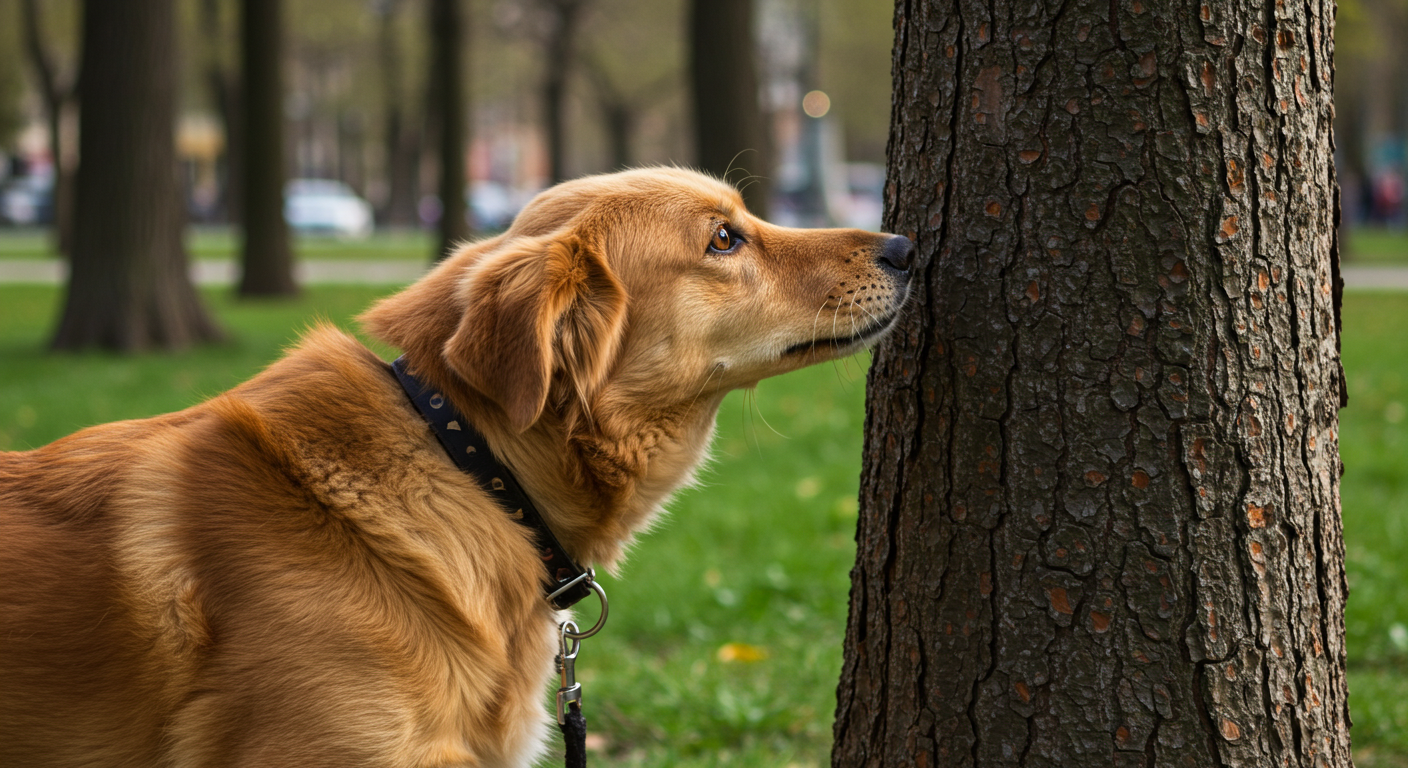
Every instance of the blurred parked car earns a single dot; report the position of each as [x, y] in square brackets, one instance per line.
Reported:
[493, 206]
[325, 206]
[27, 200]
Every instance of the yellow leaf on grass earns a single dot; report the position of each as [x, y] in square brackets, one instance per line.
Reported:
[741, 652]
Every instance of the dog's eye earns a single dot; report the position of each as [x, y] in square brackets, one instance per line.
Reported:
[724, 240]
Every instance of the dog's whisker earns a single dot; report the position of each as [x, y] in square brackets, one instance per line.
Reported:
[749, 429]
[707, 379]
[758, 410]
[815, 319]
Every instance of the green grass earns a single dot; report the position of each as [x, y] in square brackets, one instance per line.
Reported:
[223, 243]
[1364, 246]
[44, 396]
[1376, 246]
[759, 554]
[1374, 495]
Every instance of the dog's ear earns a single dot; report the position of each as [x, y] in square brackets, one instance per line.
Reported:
[538, 306]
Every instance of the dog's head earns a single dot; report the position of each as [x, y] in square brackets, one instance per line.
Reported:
[654, 287]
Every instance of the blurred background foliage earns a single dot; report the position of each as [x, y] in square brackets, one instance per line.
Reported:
[1371, 112]
[349, 62]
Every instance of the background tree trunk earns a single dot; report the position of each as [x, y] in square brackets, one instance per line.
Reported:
[560, 54]
[57, 93]
[225, 94]
[1100, 505]
[448, 110]
[617, 112]
[730, 136]
[401, 137]
[267, 261]
[129, 288]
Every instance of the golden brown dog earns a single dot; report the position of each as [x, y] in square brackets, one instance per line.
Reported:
[295, 574]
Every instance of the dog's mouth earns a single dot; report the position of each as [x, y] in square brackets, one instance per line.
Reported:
[861, 338]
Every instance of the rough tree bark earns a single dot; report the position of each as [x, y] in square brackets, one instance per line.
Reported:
[1100, 504]
[129, 288]
[57, 93]
[730, 135]
[267, 262]
[447, 99]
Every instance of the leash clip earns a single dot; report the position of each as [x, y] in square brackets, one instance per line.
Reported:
[589, 576]
[569, 643]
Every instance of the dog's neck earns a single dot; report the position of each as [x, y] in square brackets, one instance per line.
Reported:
[598, 477]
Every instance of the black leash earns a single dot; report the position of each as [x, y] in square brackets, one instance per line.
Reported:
[567, 583]
[570, 719]
[574, 735]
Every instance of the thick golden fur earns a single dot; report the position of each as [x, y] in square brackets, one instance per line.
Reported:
[295, 574]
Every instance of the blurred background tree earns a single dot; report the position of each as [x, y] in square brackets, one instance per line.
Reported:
[214, 51]
[730, 137]
[267, 260]
[559, 88]
[129, 287]
[1371, 111]
[560, 21]
[12, 116]
[446, 112]
[402, 135]
[56, 80]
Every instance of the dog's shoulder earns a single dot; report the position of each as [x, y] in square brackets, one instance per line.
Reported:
[328, 420]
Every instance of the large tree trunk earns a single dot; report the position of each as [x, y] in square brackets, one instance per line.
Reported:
[267, 261]
[1100, 511]
[129, 288]
[730, 136]
[448, 99]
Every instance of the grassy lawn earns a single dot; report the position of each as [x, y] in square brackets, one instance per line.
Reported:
[1374, 495]
[1376, 246]
[756, 562]
[223, 243]
[1365, 246]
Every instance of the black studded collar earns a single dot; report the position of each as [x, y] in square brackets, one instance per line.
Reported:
[567, 582]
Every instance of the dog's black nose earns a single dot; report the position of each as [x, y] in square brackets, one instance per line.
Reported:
[898, 252]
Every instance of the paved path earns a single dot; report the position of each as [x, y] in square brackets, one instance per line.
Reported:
[322, 271]
[1376, 278]
[223, 272]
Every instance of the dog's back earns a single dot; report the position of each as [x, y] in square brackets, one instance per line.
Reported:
[241, 583]
[75, 682]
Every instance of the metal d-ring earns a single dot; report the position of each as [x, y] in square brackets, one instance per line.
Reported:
[601, 622]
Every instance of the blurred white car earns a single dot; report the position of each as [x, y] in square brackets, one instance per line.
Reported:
[27, 200]
[325, 206]
[493, 206]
